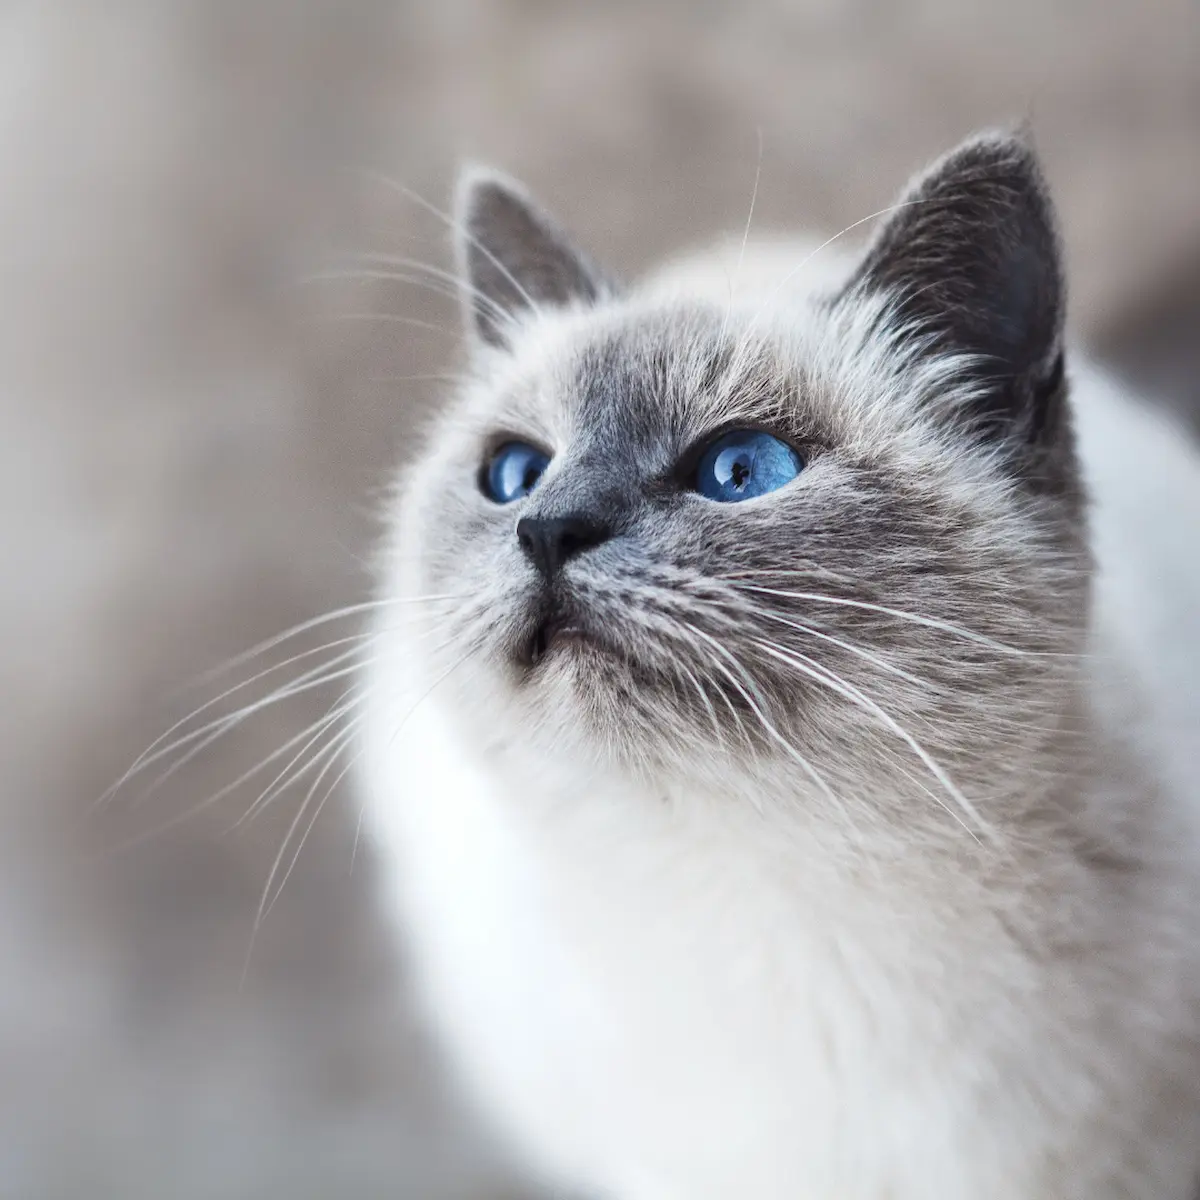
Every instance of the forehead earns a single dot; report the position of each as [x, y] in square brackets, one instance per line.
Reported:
[656, 378]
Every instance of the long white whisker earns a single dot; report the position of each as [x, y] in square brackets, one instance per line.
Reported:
[264, 906]
[389, 319]
[148, 756]
[699, 689]
[460, 229]
[831, 680]
[765, 306]
[350, 610]
[212, 732]
[369, 274]
[924, 684]
[455, 284]
[690, 635]
[765, 721]
[849, 647]
[809, 571]
[745, 239]
[266, 903]
[286, 777]
[900, 614]
[349, 766]
[227, 790]
[425, 695]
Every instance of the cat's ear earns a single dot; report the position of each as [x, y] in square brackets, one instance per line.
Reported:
[971, 260]
[513, 258]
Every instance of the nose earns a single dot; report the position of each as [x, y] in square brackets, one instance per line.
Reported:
[549, 541]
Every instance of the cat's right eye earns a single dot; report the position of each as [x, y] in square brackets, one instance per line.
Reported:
[746, 463]
[515, 470]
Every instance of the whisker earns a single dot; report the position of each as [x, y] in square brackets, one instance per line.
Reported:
[456, 285]
[809, 571]
[830, 679]
[369, 274]
[900, 614]
[690, 635]
[148, 757]
[310, 680]
[350, 610]
[213, 731]
[333, 753]
[457, 227]
[745, 238]
[264, 907]
[925, 685]
[699, 689]
[850, 648]
[765, 722]
[227, 790]
[735, 362]
[286, 778]
[388, 318]
[425, 695]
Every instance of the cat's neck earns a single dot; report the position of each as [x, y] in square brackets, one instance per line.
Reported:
[908, 810]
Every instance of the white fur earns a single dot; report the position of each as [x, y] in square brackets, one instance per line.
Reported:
[558, 917]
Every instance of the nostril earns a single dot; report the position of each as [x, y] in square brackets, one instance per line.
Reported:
[572, 542]
[575, 534]
[549, 541]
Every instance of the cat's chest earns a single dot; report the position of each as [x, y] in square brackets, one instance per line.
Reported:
[597, 960]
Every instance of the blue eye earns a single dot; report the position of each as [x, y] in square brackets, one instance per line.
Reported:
[744, 464]
[514, 472]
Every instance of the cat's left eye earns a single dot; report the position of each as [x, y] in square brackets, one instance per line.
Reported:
[515, 470]
[745, 463]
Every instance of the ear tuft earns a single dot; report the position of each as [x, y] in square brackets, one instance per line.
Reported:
[513, 258]
[971, 259]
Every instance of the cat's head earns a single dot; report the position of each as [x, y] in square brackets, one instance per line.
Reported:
[837, 536]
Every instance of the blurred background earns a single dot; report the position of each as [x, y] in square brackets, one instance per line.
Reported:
[194, 433]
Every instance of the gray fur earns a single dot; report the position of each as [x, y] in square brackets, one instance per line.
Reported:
[638, 393]
[886, 675]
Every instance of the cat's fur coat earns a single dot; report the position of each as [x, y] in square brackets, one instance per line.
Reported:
[853, 850]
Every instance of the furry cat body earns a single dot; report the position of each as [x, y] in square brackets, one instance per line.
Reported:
[844, 842]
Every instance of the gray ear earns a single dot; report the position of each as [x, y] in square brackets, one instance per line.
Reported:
[972, 259]
[513, 258]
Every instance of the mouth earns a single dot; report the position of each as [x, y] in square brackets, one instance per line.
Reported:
[565, 634]
[554, 634]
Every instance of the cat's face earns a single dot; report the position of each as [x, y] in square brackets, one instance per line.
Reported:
[838, 537]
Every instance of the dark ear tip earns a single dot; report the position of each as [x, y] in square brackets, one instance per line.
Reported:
[480, 187]
[1011, 148]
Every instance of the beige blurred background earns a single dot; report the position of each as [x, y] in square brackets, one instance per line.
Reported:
[190, 452]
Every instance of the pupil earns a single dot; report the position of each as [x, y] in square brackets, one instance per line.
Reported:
[529, 478]
[739, 474]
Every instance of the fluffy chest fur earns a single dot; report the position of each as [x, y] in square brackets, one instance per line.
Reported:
[679, 1005]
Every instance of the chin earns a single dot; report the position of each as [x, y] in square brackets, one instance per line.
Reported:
[572, 708]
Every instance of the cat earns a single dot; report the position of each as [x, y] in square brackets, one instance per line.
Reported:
[784, 717]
